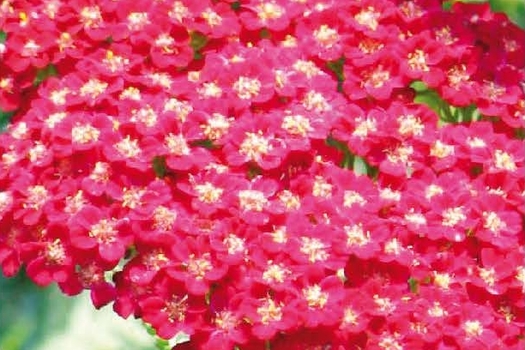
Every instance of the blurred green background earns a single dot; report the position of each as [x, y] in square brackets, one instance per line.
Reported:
[515, 9]
[33, 318]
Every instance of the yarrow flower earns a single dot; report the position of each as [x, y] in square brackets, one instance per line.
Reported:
[268, 173]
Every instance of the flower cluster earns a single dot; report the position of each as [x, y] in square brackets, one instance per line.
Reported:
[271, 174]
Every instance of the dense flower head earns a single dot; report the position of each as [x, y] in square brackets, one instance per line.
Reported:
[271, 174]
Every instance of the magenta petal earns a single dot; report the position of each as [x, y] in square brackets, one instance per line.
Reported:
[83, 242]
[111, 252]
[37, 272]
[196, 287]
[102, 295]
[32, 217]
[178, 163]
[217, 273]
[141, 275]
[61, 275]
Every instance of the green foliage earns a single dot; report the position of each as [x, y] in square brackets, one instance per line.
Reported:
[163, 344]
[197, 42]
[5, 117]
[208, 144]
[44, 73]
[34, 318]
[351, 160]
[159, 166]
[337, 68]
[253, 171]
[24, 311]
[446, 112]
[236, 5]
[413, 285]
[265, 34]
[428, 97]
[515, 9]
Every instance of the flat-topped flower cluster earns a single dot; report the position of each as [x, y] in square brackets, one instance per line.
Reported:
[271, 174]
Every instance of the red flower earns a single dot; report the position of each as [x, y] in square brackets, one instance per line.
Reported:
[217, 21]
[116, 60]
[87, 89]
[273, 15]
[36, 198]
[169, 310]
[177, 145]
[9, 92]
[81, 132]
[460, 88]
[24, 51]
[452, 216]
[269, 315]
[90, 275]
[471, 329]
[496, 268]
[201, 145]
[253, 139]
[10, 249]
[53, 260]
[318, 302]
[93, 228]
[499, 92]
[497, 225]
[377, 81]
[198, 268]
[322, 34]
[128, 150]
[249, 83]
[420, 57]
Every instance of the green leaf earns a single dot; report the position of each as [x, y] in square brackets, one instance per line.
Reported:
[350, 160]
[197, 56]
[446, 112]
[348, 157]
[431, 99]
[208, 144]
[5, 117]
[198, 41]
[419, 86]
[360, 166]
[253, 171]
[163, 344]
[179, 338]
[515, 10]
[16, 335]
[265, 34]
[235, 6]
[44, 73]
[447, 5]
[427, 96]
[159, 166]
[337, 67]
[413, 284]
[3, 36]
